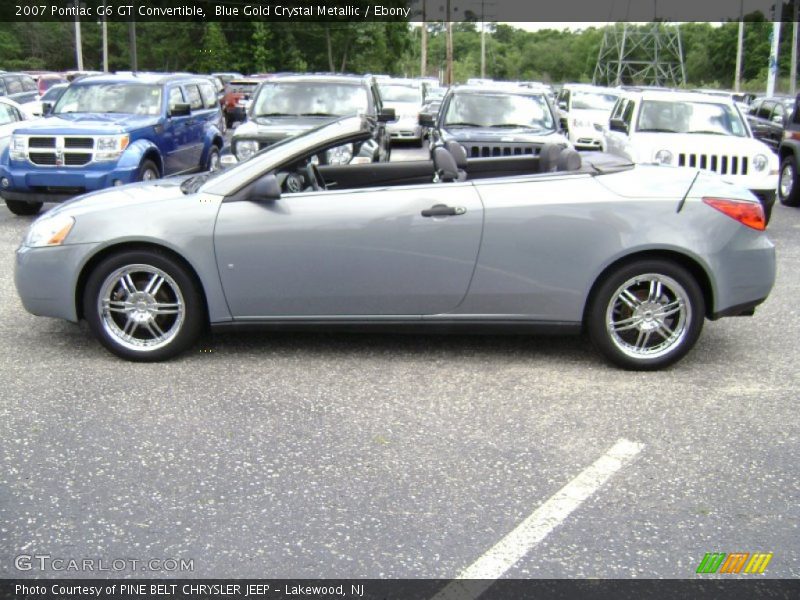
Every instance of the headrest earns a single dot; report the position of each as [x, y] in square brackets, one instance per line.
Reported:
[458, 152]
[445, 164]
[569, 160]
[548, 157]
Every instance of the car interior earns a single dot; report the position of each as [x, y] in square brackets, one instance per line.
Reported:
[449, 164]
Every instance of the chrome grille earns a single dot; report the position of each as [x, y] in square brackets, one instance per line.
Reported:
[42, 142]
[76, 159]
[722, 164]
[79, 142]
[47, 159]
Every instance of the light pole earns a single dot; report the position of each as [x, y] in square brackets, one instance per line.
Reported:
[78, 42]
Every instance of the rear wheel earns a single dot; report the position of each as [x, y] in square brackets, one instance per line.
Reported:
[646, 315]
[22, 208]
[788, 189]
[143, 306]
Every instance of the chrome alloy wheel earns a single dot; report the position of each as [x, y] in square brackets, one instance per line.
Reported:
[787, 181]
[648, 316]
[141, 307]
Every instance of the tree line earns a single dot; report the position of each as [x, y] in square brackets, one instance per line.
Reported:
[512, 53]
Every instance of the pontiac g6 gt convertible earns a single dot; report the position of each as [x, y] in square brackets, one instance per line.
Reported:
[636, 257]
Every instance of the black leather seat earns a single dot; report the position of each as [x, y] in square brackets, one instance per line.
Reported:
[445, 165]
[548, 157]
[460, 156]
[569, 160]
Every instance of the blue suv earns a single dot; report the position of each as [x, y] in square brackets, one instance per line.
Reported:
[110, 130]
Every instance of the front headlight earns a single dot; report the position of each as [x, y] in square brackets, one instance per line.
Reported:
[50, 231]
[760, 162]
[341, 155]
[664, 157]
[244, 149]
[18, 148]
[110, 147]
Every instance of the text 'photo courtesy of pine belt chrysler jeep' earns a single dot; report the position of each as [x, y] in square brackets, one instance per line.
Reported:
[109, 130]
[286, 106]
[695, 130]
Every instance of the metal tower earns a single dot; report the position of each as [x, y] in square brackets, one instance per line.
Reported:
[640, 55]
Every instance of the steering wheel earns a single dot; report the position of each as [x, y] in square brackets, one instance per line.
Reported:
[315, 177]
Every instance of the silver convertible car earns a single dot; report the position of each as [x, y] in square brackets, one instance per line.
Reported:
[637, 257]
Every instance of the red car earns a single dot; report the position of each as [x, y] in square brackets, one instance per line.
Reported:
[237, 93]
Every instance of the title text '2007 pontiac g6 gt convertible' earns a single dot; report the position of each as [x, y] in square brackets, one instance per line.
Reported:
[637, 257]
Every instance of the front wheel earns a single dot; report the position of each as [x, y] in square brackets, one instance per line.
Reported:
[212, 163]
[788, 190]
[646, 315]
[143, 306]
[147, 171]
[22, 208]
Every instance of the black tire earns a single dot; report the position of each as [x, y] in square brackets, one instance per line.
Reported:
[212, 162]
[639, 315]
[789, 195]
[148, 171]
[228, 121]
[183, 318]
[23, 208]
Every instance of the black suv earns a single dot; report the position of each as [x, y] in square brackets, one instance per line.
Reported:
[19, 87]
[768, 118]
[789, 155]
[495, 120]
[288, 105]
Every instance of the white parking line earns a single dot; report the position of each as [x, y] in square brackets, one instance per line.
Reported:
[477, 577]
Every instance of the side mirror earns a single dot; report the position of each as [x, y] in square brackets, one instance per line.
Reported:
[618, 125]
[265, 189]
[777, 119]
[386, 115]
[562, 104]
[47, 108]
[228, 160]
[180, 110]
[426, 120]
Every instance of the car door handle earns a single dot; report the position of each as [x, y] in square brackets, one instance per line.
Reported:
[442, 210]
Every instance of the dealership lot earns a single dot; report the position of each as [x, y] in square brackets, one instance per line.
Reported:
[338, 455]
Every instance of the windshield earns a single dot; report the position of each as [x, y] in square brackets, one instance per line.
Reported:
[499, 110]
[400, 93]
[690, 117]
[7, 114]
[127, 98]
[312, 98]
[593, 100]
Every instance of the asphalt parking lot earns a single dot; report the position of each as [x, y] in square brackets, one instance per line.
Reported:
[345, 455]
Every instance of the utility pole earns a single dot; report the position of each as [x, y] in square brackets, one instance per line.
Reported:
[449, 43]
[775, 40]
[78, 42]
[423, 60]
[737, 82]
[132, 38]
[793, 68]
[105, 44]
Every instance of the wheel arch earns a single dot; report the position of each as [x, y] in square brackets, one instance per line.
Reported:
[154, 155]
[690, 264]
[96, 259]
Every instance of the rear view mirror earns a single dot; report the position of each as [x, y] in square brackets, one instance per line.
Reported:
[180, 110]
[265, 189]
[618, 125]
[386, 115]
[426, 120]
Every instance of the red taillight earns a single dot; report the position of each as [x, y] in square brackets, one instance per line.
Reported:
[747, 213]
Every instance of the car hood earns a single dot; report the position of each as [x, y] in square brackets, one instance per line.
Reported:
[88, 123]
[493, 134]
[148, 192]
[272, 127]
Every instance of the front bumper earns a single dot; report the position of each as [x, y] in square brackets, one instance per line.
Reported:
[32, 184]
[46, 278]
[586, 139]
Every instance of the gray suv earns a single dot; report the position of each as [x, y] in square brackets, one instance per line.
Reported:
[285, 106]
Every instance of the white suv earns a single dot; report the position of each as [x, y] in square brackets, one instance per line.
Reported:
[584, 110]
[693, 130]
